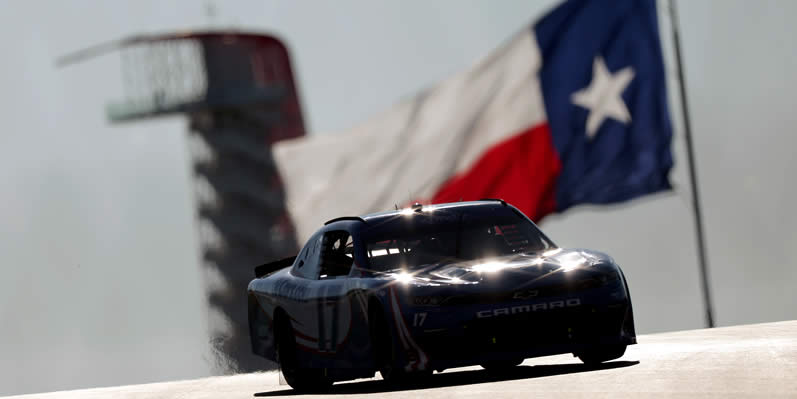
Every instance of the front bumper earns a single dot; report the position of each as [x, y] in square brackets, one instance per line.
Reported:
[468, 335]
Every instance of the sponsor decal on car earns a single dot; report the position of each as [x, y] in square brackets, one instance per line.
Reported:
[528, 308]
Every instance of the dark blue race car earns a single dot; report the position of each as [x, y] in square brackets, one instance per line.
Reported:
[427, 288]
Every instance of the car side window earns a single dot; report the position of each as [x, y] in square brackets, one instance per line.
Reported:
[306, 265]
[337, 254]
[299, 262]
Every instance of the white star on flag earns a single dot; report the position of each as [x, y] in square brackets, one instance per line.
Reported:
[603, 96]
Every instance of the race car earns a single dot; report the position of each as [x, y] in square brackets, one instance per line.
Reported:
[433, 287]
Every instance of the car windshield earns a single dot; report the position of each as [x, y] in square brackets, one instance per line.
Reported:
[412, 240]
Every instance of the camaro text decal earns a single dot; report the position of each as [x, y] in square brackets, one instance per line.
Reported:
[567, 303]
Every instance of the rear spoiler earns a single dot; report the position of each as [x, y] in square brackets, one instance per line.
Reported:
[271, 267]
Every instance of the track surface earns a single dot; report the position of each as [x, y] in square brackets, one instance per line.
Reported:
[751, 360]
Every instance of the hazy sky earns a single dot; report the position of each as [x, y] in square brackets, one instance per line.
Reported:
[99, 254]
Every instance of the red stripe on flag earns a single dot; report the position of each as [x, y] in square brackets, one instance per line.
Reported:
[521, 170]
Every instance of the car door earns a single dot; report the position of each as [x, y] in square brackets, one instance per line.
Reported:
[333, 305]
[323, 317]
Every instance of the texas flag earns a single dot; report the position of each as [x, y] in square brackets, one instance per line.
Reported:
[572, 110]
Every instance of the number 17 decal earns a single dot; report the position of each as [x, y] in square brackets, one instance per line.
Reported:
[418, 319]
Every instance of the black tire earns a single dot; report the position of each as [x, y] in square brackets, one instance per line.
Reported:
[501, 365]
[300, 379]
[384, 351]
[600, 354]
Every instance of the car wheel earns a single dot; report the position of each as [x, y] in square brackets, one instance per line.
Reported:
[600, 354]
[300, 379]
[385, 352]
[501, 365]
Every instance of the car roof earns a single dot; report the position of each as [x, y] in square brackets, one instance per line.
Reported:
[464, 205]
[375, 218]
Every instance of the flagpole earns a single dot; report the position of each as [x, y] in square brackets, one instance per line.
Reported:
[701, 242]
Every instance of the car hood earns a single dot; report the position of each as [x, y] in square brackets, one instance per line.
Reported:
[516, 269]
